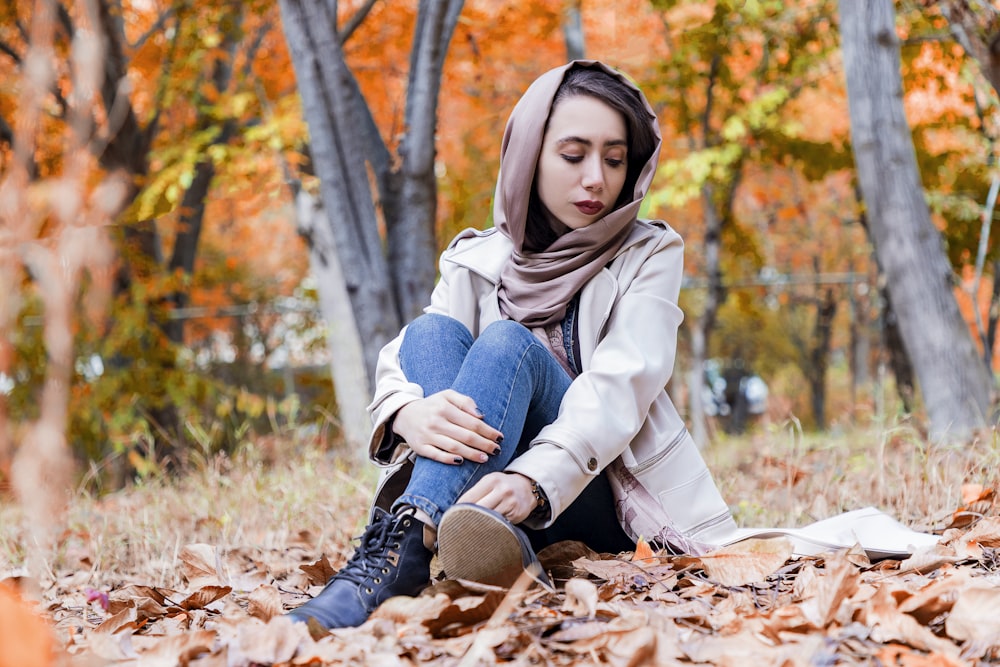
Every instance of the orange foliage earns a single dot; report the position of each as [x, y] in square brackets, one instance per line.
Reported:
[25, 640]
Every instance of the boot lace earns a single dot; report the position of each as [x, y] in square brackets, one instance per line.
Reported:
[371, 557]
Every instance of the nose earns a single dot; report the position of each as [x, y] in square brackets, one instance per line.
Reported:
[593, 174]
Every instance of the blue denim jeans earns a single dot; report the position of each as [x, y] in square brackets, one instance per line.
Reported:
[518, 385]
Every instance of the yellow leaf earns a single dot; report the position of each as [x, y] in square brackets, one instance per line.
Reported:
[643, 552]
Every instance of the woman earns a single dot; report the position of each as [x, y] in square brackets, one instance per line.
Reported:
[527, 406]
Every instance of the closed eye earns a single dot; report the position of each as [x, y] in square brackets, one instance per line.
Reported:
[573, 158]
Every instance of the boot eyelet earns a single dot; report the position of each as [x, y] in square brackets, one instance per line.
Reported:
[385, 570]
[378, 580]
[406, 523]
[369, 591]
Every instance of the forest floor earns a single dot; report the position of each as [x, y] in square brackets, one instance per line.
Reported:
[197, 570]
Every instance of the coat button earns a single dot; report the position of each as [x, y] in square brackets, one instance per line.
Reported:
[592, 464]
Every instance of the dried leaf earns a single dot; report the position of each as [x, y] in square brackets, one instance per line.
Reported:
[465, 610]
[204, 596]
[105, 646]
[904, 656]
[178, 649]
[266, 644]
[936, 598]
[200, 565]
[830, 591]
[974, 617]
[890, 625]
[404, 609]
[747, 561]
[972, 493]
[928, 559]
[986, 533]
[581, 598]
[631, 648]
[126, 619]
[264, 603]
[612, 569]
[319, 572]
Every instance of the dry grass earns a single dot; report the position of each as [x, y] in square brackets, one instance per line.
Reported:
[780, 476]
[268, 498]
[261, 499]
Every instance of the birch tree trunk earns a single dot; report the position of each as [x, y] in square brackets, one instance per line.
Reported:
[346, 363]
[951, 376]
[388, 281]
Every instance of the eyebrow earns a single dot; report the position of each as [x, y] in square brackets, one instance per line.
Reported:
[588, 142]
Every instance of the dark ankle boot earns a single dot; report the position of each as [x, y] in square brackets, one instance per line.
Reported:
[391, 560]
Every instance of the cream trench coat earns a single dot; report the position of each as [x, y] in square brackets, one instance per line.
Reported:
[616, 411]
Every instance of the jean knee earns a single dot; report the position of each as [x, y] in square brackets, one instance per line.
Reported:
[433, 326]
[506, 337]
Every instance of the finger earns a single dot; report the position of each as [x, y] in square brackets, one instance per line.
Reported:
[460, 442]
[471, 417]
[469, 431]
[442, 454]
[463, 402]
[479, 491]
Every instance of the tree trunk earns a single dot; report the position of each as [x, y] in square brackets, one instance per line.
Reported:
[952, 377]
[860, 343]
[385, 287]
[349, 379]
[572, 25]
[715, 296]
[993, 317]
[411, 235]
[819, 356]
[899, 360]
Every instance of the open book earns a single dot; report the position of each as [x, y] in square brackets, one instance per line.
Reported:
[880, 535]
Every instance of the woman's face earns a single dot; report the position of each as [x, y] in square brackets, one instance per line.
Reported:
[584, 161]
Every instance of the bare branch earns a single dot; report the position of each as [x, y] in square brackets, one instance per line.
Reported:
[255, 47]
[65, 20]
[161, 90]
[23, 30]
[10, 51]
[706, 118]
[157, 26]
[356, 20]
[6, 132]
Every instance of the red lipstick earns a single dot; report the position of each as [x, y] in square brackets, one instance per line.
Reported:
[589, 206]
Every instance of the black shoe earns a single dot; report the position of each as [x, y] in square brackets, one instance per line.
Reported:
[478, 544]
[391, 560]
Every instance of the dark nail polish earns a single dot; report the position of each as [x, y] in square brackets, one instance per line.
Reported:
[496, 451]
[499, 439]
[458, 460]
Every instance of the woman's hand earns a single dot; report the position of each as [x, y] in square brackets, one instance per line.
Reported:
[508, 493]
[446, 427]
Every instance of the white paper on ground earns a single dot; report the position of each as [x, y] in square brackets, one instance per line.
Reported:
[880, 535]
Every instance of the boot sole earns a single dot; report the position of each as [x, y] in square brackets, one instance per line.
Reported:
[477, 544]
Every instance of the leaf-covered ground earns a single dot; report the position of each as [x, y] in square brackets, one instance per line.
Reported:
[203, 601]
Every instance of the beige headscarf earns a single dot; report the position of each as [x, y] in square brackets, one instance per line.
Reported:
[536, 287]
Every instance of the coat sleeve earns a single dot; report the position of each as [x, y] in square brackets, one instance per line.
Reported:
[607, 404]
[393, 390]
